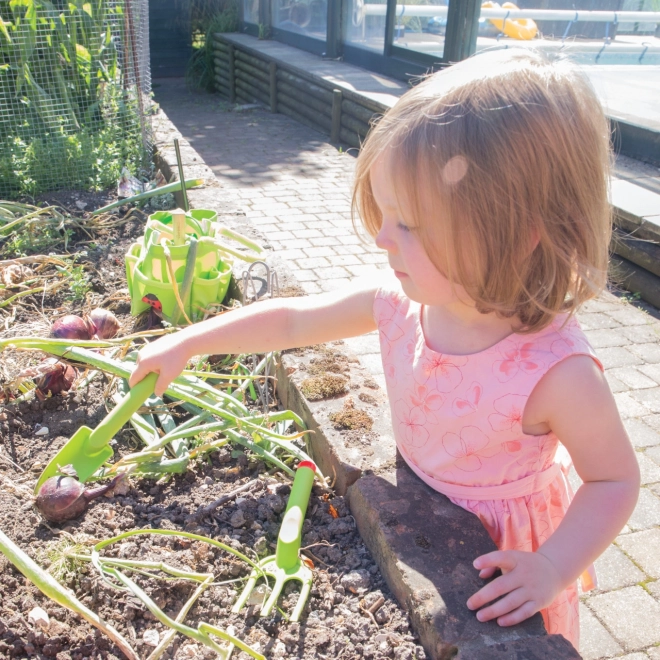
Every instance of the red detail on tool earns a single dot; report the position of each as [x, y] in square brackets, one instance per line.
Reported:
[307, 464]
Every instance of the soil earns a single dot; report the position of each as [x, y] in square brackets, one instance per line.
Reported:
[350, 614]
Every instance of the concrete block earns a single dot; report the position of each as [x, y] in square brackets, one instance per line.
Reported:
[646, 513]
[631, 615]
[649, 398]
[597, 321]
[632, 377]
[644, 432]
[425, 546]
[649, 469]
[650, 353]
[617, 356]
[615, 570]
[595, 641]
[643, 548]
[605, 338]
[628, 407]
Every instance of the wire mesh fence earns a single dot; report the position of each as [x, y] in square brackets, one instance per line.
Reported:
[75, 90]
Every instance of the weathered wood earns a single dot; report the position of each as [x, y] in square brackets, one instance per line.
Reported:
[643, 253]
[632, 277]
[252, 71]
[221, 46]
[319, 120]
[336, 115]
[250, 59]
[232, 74]
[286, 110]
[263, 87]
[244, 97]
[304, 99]
[350, 137]
[219, 38]
[252, 89]
[221, 66]
[273, 87]
[300, 83]
[354, 125]
[365, 115]
[222, 80]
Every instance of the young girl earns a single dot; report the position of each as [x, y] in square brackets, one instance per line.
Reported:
[487, 186]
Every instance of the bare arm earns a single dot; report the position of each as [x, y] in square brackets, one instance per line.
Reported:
[262, 327]
[585, 418]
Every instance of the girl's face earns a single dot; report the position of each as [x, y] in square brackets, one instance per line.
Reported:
[420, 279]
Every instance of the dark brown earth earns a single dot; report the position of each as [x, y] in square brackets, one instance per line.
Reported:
[351, 613]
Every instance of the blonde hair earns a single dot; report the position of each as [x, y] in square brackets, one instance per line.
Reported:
[514, 151]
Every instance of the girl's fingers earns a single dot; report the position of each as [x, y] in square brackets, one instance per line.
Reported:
[503, 559]
[511, 602]
[485, 573]
[526, 610]
[502, 585]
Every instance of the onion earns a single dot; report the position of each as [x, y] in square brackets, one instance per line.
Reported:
[104, 322]
[56, 377]
[63, 498]
[71, 327]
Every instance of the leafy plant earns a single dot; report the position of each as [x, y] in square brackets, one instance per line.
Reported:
[68, 113]
[79, 284]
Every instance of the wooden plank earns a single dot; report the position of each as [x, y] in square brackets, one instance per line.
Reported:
[257, 93]
[336, 115]
[286, 110]
[643, 253]
[299, 96]
[232, 74]
[246, 78]
[354, 125]
[273, 87]
[350, 137]
[250, 59]
[252, 71]
[305, 86]
[365, 115]
[317, 120]
[634, 278]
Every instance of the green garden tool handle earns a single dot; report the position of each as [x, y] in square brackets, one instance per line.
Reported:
[122, 412]
[288, 541]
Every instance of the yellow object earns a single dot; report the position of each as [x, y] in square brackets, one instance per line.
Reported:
[516, 28]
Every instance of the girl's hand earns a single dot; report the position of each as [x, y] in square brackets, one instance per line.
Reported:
[166, 357]
[529, 582]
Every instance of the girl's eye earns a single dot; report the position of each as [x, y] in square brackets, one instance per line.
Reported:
[403, 227]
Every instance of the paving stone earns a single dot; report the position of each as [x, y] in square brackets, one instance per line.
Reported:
[653, 453]
[597, 321]
[644, 549]
[628, 407]
[311, 287]
[322, 252]
[653, 653]
[313, 262]
[615, 570]
[632, 377]
[650, 353]
[595, 641]
[628, 315]
[649, 398]
[604, 303]
[650, 470]
[615, 384]
[647, 511]
[651, 370]
[617, 356]
[330, 272]
[630, 614]
[654, 588]
[335, 284]
[652, 421]
[642, 334]
[634, 656]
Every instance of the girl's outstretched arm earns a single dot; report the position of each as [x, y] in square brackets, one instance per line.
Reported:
[261, 327]
[575, 402]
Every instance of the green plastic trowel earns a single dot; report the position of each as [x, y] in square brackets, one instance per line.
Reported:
[87, 450]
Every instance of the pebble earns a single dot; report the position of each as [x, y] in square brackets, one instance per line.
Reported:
[151, 637]
[42, 431]
[356, 581]
[39, 617]
[237, 519]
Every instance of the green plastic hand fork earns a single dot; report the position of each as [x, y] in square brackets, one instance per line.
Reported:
[285, 564]
[87, 450]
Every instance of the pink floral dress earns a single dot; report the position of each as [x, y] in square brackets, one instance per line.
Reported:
[458, 424]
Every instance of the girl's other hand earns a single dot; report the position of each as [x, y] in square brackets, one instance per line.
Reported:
[529, 582]
[166, 357]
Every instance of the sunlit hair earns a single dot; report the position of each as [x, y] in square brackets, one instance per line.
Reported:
[513, 152]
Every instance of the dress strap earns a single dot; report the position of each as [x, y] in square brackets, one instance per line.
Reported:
[532, 483]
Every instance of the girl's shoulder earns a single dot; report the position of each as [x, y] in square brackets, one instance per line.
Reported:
[390, 301]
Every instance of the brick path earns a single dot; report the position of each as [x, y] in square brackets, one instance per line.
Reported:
[295, 188]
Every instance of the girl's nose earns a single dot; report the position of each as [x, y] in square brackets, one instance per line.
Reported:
[384, 241]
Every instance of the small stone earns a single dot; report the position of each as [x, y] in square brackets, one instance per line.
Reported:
[382, 616]
[151, 637]
[42, 431]
[261, 545]
[279, 651]
[237, 519]
[39, 617]
[356, 581]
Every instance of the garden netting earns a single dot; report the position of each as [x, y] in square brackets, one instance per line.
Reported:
[75, 88]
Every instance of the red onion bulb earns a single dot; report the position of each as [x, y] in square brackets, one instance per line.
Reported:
[57, 377]
[71, 327]
[63, 498]
[105, 323]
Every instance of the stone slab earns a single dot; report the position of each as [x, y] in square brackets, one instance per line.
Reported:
[644, 548]
[595, 641]
[425, 546]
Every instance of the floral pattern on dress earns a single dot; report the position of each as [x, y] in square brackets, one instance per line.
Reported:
[520, 357]
[458, 422]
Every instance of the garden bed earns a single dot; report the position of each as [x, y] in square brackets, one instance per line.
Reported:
[350, 612]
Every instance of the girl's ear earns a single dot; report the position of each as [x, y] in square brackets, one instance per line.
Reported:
[535, 239]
